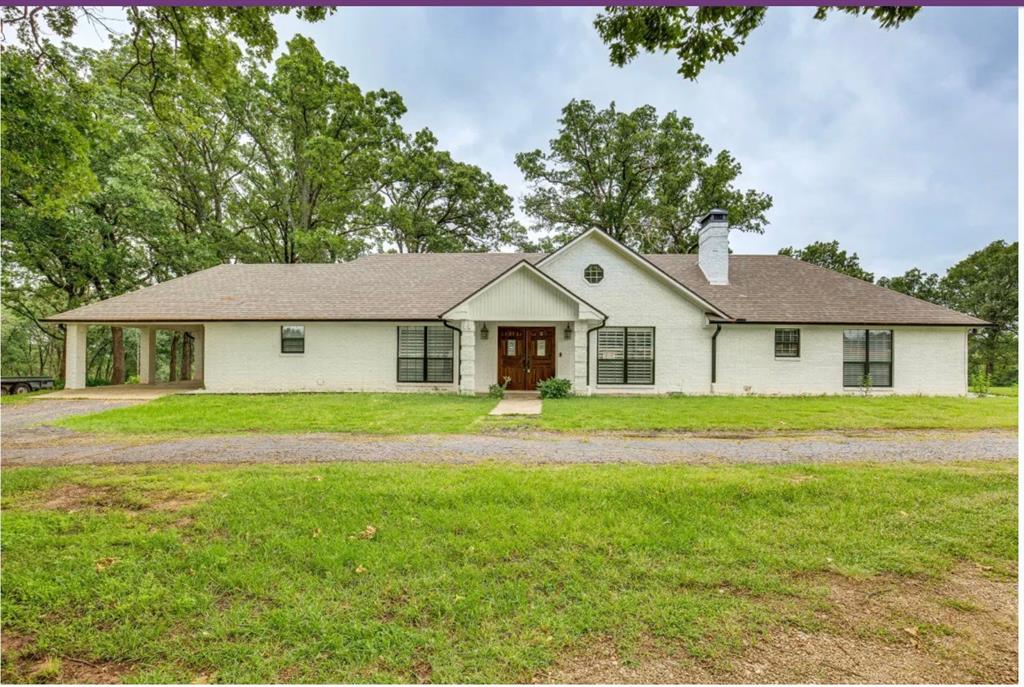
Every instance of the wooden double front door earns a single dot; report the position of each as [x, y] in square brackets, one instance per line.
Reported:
[526, 355]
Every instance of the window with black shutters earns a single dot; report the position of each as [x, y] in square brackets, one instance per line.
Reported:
[867, 357]
[787, 343]
[293, 338]
[625, 355]
[426, 354]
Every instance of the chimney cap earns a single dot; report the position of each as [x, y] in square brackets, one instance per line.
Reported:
[715, 215]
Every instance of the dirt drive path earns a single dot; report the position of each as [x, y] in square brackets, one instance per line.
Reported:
[26, 442]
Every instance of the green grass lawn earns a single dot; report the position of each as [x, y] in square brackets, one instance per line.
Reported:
[701, 413]
[16, 399]
[425, 413]
[473, 574]
[284, 413]
[1003, 391]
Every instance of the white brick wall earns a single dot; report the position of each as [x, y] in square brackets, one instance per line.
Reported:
[340, 356]
[926, 360]
[631, 296]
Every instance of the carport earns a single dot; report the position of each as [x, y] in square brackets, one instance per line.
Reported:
[76, 362]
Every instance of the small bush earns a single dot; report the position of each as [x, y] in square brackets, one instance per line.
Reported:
[556, 387]
[498, 390]
[981, 382]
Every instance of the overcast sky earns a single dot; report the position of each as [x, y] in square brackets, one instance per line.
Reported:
[900, 144]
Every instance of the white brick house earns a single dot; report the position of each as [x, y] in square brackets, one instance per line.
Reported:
[594, 312]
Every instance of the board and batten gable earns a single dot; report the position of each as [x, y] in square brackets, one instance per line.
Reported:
[633, 294]
[926, 360]
[339, 356]
[520, 295]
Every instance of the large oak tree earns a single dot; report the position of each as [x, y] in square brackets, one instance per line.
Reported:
[643, 179]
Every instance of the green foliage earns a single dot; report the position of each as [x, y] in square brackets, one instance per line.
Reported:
[829, 255]
[981, 381]
[498, 390]
[700, 35]
[643, 180]
[257, 574]
[914, 282]
[985, 285]
[429, 202]
[556, 387]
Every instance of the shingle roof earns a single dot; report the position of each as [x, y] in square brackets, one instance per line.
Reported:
[762, 288]
[781, 289]
[374, 287]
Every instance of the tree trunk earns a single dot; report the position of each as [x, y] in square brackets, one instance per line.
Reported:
[63, 357]
[172, 372]
[186, 357]
[117, 352]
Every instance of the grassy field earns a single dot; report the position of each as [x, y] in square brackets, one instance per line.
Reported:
[347, 573]
[701, 413]
[284, 413]
[1003, 391]
[425, 413]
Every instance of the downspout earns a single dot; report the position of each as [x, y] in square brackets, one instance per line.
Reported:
[592, 329]
[459, 331]
[714, 354]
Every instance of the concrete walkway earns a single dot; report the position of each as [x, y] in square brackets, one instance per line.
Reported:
[124, 392]
[518, 403]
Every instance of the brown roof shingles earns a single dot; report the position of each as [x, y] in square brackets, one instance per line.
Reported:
[762, 288]
[780, 289]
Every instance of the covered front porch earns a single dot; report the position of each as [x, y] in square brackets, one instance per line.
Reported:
[523, 327]
[184, 359]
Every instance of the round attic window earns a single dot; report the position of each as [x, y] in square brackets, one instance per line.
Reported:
[593, 274]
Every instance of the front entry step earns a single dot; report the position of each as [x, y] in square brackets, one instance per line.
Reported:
[515, 404]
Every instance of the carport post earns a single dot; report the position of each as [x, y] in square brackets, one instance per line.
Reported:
[198, 353]
[147, 355]
[75, 363]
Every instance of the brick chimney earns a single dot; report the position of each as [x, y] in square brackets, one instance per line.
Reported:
[713, 253]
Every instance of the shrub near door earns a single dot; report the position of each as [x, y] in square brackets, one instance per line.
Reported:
[556, 387]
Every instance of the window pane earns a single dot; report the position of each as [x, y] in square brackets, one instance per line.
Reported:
[440, 342]
[640, 371]
[410, 369]
[853, 374]
[881, 374]
[880, 345]
[611, 372]
[641, 344]
[410, 342]
[611, 343]
[439, 370]
[787, 343]
[854, 345]
[293, 346]
[293, 339]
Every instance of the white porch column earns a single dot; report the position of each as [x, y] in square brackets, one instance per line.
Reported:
[579, 338]
[147, 355]
[75, 363]
[467, 358]
[198, 346]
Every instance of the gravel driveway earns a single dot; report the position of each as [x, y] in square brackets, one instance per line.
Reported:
[26, 443]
